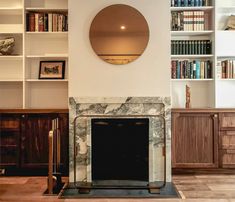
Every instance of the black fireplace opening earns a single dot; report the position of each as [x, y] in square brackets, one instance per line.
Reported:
[120, 149]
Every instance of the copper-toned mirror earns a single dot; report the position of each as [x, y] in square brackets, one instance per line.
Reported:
[119, 34]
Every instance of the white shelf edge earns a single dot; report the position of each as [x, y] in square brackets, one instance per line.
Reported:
[192, 8]
[10, 8]
[181, 80]
[11, 80]
[45, 9]
[47, 80]
[225, 7]
[48, 56]
[225, 31]
[225, 56]
[191, 33]
[65, 33]
[191, 56]
[225, 79]
[11, 32]
[11, 57]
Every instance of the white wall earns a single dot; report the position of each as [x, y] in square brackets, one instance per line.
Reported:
[147, 76]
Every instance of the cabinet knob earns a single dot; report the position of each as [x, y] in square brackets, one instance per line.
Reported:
[22, 116]
[215, 115]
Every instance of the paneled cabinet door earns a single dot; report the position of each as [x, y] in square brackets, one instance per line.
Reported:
[194, 140]
[9, 140]
[34, 139]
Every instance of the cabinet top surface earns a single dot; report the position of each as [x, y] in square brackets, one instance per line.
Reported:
[30, 111]
[201, 110]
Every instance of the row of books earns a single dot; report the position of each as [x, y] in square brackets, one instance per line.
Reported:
[46, 22]
[188, 21]
[186, 3]
[226, 69]
[191, 69]
[191, 47]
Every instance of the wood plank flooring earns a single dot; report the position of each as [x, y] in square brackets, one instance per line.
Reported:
[192, 188]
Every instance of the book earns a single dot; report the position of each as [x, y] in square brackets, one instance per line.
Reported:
[198, 69]
[223, 65]
[202, 70]
[219, 70]
[46, 22]
[31, 22]
[50, 22]
[40, 22]
[54, 23]
[36, 22]
[173, 69]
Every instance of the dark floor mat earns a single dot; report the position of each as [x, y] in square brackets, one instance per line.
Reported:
[169, 191]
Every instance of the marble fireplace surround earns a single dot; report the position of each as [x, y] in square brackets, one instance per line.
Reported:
[114, 106]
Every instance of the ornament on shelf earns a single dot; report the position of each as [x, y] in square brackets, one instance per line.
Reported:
[6, 46]
[188, 97]
[230, 23]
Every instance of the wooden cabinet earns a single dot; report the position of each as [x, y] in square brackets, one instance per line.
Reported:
[25, 140]
[227, 140]
[10, 130]
[194, 140]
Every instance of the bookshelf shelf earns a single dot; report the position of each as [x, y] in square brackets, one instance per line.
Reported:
[226, 79]
[226, 8]
[198, 80]
[48, 56]
[11, 80]
[190, 56]
[20, 87]
[47, 80]
[202, 92]
[47, 33]
[201, 8]
[191, 33]
[60, 10]
[11, 57]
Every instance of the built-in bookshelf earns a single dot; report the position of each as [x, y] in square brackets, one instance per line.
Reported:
[225, 54]
[192, 52]
[20, 86]
[216, 91]
[11, 67]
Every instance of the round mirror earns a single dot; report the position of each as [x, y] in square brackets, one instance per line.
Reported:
[119, 34]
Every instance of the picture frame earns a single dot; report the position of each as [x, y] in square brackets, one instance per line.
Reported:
[51, 70]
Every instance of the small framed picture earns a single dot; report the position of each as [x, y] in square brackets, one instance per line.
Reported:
[52, 70]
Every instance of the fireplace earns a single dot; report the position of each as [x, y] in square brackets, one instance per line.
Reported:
[120, 139]
[120, 149]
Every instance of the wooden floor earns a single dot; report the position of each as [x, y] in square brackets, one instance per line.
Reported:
[193, 188]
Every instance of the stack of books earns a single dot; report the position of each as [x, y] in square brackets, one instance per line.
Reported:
[46, 22]
[226, 69]
[186, 3]
[188, 21]
[191, 69]
[191, 47]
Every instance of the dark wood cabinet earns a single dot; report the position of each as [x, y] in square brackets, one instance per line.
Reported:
[194, 140]
[10, 130]
[25, 140]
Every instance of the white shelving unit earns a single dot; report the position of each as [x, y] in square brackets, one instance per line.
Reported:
[19, 83]
[215, 92]
[202, 90]
[11, 67]
[225, 50]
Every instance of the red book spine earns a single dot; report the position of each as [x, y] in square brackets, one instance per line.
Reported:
[32, 22]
